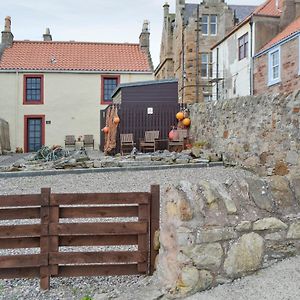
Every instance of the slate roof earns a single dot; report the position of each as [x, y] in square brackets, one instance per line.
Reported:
[74, 56]
[242, 11]
[287, 32]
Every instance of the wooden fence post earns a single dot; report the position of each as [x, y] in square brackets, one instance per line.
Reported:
[154, 221]
[44, 237]
[53, 234]
[143, 239]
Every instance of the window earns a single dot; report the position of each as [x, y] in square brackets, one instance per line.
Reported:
[243, 46]
[206, 65]
[33, 89]
[204, 24]
[274, 66]
[209, 24]
[109, 83]
[213, 24]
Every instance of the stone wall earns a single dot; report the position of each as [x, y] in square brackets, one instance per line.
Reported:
[4, 136]
[214, 232]
[261, 133]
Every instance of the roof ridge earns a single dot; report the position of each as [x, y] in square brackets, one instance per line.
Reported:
[75, 42]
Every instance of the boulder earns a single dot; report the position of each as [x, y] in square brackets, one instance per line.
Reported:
[269, 223]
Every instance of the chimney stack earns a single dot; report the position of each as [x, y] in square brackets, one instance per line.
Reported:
[166, 9]
[47, 36]
[7, 37]
[145, 41]
[288, 13]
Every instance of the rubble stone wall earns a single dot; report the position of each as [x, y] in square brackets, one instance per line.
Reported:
[261, 133]
[4, 136]
[216, 231]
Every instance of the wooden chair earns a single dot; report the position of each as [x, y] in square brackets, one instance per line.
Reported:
[149, 142]
[88, 141]
[126, 140]
[70, 141]
[180, 140]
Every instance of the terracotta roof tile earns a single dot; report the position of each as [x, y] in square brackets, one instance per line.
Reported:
[269, 8]
[289, 30]
[74, 56]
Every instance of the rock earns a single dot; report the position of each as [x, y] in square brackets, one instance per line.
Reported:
[251, 163]
[245, 255]
[88, 164]
[276, 236]
[205, 280]
[196, 152]
[296, 186]
[225, 197]
[156, 243]
[244, 226]
[258, 192]
[281, 192]
[185, 237]
[188, 279]
[269, 223]
[209, 193]
[97, 164]
[294, 231]
[182, 161]
[292, 157]
[281, 169]
[142, 157]
[207, 256]
[185, 211]
[215, 235]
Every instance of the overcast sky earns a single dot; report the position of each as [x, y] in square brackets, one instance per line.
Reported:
[90, 20]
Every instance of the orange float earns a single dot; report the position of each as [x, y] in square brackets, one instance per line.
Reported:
[180, 116]
[116, 120]
[105, 129]
[186, 122]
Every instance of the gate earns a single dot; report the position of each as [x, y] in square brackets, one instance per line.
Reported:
[52, 232]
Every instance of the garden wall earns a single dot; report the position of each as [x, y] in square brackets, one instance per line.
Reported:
[261, 133]
[213, 232]
[4, 136]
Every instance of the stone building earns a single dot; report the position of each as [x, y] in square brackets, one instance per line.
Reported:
[187, 37]
[233, 55]
[51, 89]
[277, 65]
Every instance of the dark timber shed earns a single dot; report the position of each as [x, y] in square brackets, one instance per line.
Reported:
[143, 106]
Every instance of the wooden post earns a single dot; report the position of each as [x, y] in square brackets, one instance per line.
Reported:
[143, 239]
[44, 237]
[154, 221]
[53, 234]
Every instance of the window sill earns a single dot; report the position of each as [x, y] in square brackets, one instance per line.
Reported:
[274, 82]
[33, 103]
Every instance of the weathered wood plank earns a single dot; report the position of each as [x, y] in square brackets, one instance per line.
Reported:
[19, 273]
[127, 228]
[96, 270]
[20, 200]
[97, 257]
[20, 230]
[18, 261]
[20, 213]
[105, 240]
[15, 243]
[143, 238]
[99, 212]
[103, 198]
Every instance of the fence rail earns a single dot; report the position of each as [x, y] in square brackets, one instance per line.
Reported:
[51, 234]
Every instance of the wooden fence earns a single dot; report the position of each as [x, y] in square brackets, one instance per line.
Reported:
[50, 234]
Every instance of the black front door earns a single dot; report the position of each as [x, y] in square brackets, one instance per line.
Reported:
[34, 134]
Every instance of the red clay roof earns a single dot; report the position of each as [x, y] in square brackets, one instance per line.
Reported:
[74, 56]
[269, 8]
[289, 30]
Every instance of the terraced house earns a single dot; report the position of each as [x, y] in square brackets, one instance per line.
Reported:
[51, 89]
[187, 38]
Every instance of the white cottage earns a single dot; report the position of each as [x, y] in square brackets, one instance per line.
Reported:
[51, 89]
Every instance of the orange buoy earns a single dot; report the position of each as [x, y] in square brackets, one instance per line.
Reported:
[179, 116]
[105, 129]
[186, 122]
[116, 120]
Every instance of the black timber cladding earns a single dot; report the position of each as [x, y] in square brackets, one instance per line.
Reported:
[137, 102]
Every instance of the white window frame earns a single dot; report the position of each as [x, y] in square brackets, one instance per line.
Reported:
[208, 65]
[207, 24]
[216, 33]
[271, 80]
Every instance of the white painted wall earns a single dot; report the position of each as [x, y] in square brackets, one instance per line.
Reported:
[232, 70]
[71, 103]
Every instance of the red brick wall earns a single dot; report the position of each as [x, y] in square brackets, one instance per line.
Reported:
[290, 80]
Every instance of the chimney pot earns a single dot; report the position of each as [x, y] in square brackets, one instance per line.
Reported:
[7, 26]
[47, 36]
[7, 37]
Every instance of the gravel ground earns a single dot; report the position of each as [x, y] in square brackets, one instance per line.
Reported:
[279, 282]
[123, 181]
